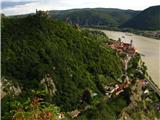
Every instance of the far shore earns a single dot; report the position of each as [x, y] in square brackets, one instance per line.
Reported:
[155, 34]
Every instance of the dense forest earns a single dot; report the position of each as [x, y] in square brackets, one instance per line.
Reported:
[149, 19]
[74, 58]
[108, 17]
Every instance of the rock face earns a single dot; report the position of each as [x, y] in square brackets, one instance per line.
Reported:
[49, 84]
[9, 88]
[136, 93]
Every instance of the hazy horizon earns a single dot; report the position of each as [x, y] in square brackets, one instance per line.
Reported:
[17, 7]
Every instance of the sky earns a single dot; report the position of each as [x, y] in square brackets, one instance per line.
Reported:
[16, 7]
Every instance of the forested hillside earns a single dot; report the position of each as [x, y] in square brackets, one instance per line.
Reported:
[74, 59]
[94, 16]
[149, 19]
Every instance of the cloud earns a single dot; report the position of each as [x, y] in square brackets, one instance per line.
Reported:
[32, 6]
[21, 9]
[9, 4]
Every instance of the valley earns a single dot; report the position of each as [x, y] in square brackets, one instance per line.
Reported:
[54, 67]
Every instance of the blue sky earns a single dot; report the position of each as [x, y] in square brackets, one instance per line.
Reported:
[15, 7]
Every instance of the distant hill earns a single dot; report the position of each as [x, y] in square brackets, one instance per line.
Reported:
[147, 19]
[94, 16]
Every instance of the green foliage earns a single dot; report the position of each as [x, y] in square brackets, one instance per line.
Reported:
[97, 16]
[137, 68]
[149, 19]
[105, 111]
[33, 109]
[148, 110]
[34, 46]
[33, 106]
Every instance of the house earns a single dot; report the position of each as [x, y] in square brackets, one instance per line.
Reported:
[146, 91]
[126, 45]
[126, 84]
[131, 51]
[74, 113]
[143, 82]
[117, 89]
[121, 47]
[61, 115]
[108, 89]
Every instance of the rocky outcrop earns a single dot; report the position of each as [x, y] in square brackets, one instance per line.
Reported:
[9, 88]
[49, 84]
[136, 93]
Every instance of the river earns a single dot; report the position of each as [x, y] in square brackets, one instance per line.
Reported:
[148, 47]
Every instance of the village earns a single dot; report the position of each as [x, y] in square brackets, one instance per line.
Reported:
[122, 48]
[129, 50]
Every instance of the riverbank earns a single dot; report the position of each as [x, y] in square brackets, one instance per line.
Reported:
[146, 33]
